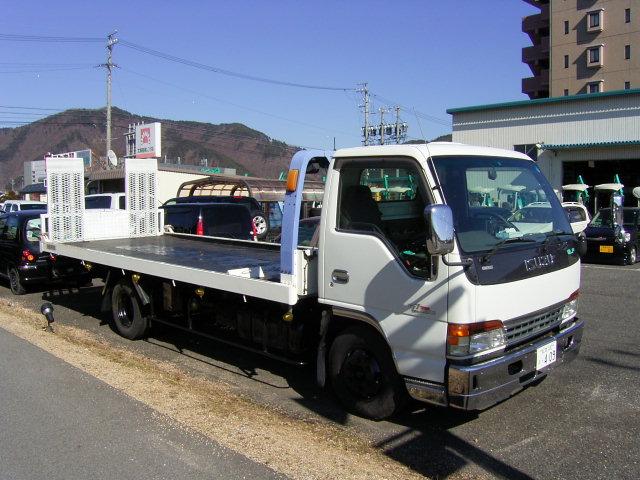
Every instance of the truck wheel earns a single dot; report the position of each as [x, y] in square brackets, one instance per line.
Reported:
[363, 375]
[127, 312]
[261, 223]
[633, 256]
[14, 282]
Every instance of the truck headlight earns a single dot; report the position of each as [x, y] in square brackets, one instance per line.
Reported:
[464, 339]
[570, 309]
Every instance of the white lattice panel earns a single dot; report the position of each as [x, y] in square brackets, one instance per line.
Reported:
[141, 188]
[65, 198]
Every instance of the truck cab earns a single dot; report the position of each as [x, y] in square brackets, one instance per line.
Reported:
[471, 317]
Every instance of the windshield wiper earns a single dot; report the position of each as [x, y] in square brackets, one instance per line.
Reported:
[498, 245]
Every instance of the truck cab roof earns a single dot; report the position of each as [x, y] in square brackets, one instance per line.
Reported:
[433, 149]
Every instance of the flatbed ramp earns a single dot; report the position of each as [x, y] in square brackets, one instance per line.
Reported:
[233, 266]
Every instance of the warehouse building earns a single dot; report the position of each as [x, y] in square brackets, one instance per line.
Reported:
[595, 135]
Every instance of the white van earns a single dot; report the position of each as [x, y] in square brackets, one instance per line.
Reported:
[108, 201]
[19, 205]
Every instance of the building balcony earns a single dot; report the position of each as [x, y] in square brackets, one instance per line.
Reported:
[538, 86]
[537, 3]
[534, 23]
[535, 53]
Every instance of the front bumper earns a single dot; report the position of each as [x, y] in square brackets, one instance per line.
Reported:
[480, 386]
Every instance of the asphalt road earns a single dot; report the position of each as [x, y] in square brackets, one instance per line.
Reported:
[57, 422]
[581, 422]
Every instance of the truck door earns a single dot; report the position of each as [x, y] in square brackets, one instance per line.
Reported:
[374, 260]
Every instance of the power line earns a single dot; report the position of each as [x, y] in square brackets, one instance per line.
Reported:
[204, 95]
[229, 73]
[48, 39]
[424, 116]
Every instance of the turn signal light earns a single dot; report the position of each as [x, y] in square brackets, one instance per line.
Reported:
[464, 339]
[292, 180]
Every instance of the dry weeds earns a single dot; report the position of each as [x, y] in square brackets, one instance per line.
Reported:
[298, 448]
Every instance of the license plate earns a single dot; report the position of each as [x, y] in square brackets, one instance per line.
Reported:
[606, 248]
[545, 355]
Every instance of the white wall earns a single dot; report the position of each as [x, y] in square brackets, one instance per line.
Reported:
[168, 183]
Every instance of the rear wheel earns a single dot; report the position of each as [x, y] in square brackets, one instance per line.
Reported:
[17, 288]
[261, 224]
[128, 318]
[363, 375]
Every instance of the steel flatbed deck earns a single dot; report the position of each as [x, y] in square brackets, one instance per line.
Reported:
[208, 262]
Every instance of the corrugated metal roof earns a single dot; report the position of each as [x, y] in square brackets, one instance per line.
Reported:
[576, 146]
[540, 101]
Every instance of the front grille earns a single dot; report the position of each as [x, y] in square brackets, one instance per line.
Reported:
[521, 329]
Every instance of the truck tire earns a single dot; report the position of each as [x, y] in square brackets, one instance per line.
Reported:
[17, 288]
[363, 374]
[128, 318]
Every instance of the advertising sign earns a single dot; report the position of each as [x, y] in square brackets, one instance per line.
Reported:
[84, 154]
[148, 140]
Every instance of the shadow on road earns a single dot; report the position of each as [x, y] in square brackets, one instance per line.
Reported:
[426, 443]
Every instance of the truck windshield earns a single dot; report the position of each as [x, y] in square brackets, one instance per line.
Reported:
[498, 199]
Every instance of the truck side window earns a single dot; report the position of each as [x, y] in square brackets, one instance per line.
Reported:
[386, 198]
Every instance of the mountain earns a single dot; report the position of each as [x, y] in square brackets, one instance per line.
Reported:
[232, 145]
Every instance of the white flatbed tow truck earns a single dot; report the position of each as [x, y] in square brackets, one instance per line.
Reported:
[426, 292]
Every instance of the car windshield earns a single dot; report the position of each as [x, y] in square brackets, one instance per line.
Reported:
[496, 199]
[103, 201]
[603, 218]
[32, 206]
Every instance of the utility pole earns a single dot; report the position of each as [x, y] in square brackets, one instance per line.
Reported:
[365, 130]
[382, 125]
[111, 41]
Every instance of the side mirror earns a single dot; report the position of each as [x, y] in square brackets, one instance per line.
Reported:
[581, 244]
[617, 201]
[439, 220]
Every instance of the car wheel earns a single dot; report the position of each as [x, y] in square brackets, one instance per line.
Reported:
[126, 309]
[17, 288]
[261, 224]
[633, 256]
[363, 375]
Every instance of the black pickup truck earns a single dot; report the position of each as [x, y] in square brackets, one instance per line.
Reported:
[227, 220]
[258, 216]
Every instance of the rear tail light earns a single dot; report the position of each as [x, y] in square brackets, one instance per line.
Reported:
[200, 225]
[53, 257]
[254, 231]
[27, 256]
[464, 339]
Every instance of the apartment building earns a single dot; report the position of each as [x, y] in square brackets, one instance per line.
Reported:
[582, 46]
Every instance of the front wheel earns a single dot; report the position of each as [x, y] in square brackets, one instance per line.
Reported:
[127, 312]
[633, 256]
[363, 375]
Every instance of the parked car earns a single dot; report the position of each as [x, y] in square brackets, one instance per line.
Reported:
[20, 205]
[109, 201]
[260, 219]
[21, 261]
[606, 242]
[228, 220]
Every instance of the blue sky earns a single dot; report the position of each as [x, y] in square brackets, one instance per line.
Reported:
[425, 55]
